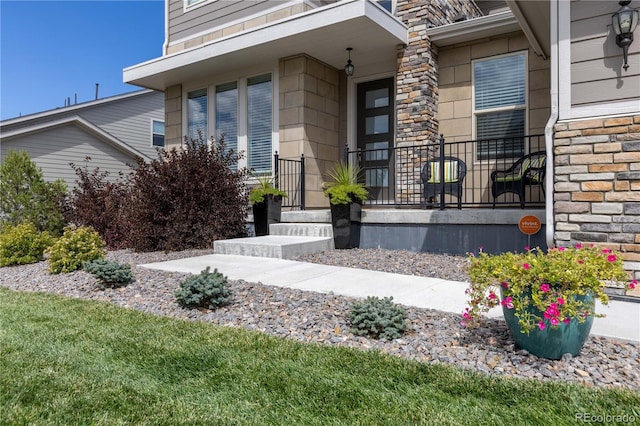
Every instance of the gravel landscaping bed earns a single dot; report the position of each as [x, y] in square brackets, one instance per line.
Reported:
[433, 336]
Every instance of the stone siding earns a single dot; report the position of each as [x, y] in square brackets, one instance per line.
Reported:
[597, 185]
[417, 86]
[309, 120]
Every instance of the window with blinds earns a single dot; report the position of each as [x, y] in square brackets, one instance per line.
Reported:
[259, 123]
[197, 114]
[227, 114]
[500, 104]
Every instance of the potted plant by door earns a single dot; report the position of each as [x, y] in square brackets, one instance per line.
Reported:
[547, 298]
[346, 196]
[266, 201]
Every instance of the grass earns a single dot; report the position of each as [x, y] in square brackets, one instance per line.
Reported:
[66, 361]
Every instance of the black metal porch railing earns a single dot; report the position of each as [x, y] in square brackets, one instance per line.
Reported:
[289, 177]
[393, 175]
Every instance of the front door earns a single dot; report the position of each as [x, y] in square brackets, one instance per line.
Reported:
[375, 107]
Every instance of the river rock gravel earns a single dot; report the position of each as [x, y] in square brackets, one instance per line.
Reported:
[432, 337]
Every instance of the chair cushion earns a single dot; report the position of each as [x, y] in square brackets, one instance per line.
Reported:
[450, 171]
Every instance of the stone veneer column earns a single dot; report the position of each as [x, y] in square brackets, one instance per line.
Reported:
[597, 185]
[309, 119]
[173, 116]
[417, 84]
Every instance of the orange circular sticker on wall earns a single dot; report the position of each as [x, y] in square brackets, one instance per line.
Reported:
[529, 225]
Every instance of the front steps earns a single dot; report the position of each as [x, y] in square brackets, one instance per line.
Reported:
[303, 233]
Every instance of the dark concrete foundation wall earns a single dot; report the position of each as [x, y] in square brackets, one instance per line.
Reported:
[448, 238]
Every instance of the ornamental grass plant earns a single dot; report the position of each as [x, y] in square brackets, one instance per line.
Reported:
[545, 289]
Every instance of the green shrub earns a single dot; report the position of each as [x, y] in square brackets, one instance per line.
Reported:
[207, 290]
[76, 246]
[378, 318]
[265, 187]
[111, 274]
[23, 244]
[26, 197]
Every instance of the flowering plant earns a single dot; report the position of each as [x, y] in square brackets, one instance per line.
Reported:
[544, 288]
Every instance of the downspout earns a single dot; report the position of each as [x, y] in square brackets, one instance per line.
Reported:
[165, 45]
[548, 130]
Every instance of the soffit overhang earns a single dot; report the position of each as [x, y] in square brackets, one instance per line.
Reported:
[323, 33]
[473, 29]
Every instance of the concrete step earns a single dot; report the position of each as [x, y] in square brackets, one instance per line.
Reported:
[277, 246]
[302, 229]
[307, 216]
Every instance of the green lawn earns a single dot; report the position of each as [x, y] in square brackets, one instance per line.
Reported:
[65, 361]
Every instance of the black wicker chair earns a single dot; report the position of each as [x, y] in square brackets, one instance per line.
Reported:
[527, 171]
[454, 172]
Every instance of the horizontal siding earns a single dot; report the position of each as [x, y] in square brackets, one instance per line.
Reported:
[601, 47]
[53, 150]
[597, 75]
[594, 71]
[209, 16]
[128, 119]
[605, 91]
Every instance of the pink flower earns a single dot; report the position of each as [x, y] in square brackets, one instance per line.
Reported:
[544, 288]
[554, 321]
[633, 284]
[578, 246]
[492, 295]
[606, 250]
[560, 248]
[508, 302]
[527, 248]
[541, 325]
[526, 266]
[505, 285]
[560, 301]
[566, 320]
[580, 262]
[612, 258]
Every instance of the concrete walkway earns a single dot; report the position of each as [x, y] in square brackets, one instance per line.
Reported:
[622, 320]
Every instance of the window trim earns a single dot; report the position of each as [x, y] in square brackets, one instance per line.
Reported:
[241, 81]
[164, 135]
[475, 113]
[186, 7]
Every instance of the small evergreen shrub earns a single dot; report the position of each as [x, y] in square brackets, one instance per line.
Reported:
[23, 244]
[76, 246]
[207, 290]
[26, 197]
[111, 274]
[378, 318]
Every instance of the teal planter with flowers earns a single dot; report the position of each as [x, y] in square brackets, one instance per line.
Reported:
[548, 298]
[553, 337]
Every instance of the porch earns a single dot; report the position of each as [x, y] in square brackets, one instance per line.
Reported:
[444, 174]
[419, 230]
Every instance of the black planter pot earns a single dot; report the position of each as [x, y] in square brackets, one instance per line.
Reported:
[266, 213]
[346, 221]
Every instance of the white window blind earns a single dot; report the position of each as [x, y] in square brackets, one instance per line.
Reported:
[227, 114]
[197, 114]
[500, 106]
[259, 123]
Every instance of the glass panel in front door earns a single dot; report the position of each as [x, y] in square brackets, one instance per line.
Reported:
[375, 109]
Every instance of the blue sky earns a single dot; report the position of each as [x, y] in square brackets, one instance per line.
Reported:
[52, 50]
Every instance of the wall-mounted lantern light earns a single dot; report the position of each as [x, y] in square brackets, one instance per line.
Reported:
[349, 67]
[624, 23]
